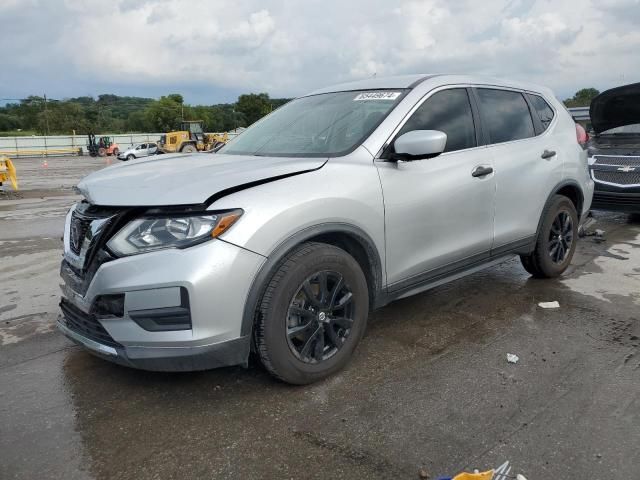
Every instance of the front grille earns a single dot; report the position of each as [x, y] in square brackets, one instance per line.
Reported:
[618, 178]
[87, 226]
[85, 324]
[78, 231]
[621, 160]
[630, 202]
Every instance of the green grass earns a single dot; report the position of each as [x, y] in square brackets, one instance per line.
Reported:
[22, 133]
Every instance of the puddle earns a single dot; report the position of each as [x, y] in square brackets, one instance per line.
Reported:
[613, 272]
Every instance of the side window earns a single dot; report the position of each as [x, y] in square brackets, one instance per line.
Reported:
[505, 114]
[542, 108]
[143, 146]
[450, 112]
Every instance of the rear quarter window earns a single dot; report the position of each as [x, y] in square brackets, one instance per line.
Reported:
[542, 109]
[505, 114]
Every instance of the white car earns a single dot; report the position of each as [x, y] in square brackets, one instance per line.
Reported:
[138, 151]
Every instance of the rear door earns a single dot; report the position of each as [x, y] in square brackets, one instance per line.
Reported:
[438, 216]
[525, 159]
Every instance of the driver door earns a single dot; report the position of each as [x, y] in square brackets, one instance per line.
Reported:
[438, 215]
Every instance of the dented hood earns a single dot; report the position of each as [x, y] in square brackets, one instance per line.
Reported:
[186, 179]
[616, 108]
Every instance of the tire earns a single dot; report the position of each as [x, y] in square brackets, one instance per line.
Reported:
[556, 240]
[189, 149]
[131, 156]
[302, 348]
[102, 152]
[116, 151]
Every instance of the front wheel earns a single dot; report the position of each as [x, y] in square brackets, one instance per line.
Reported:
[312, 315]
[556, 241]
[131, 156]
[189, 149]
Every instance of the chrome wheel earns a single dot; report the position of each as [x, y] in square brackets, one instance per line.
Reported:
[320, 317]
[560, 237]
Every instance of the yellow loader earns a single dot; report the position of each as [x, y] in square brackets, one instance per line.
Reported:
[190, 138]
[8, 173]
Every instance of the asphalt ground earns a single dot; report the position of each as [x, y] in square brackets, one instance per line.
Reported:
[429, 386]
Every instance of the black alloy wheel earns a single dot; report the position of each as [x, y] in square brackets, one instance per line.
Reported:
[556, 239]
[560, 237]
[312, 313]
[320, 317]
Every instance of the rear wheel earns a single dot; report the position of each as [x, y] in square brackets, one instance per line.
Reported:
[102, 152]
[116, 151]
[312, 315]
[556, 241]
[189, 149]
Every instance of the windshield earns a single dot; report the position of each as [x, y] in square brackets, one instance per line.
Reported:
[330, 124]
[627, 129]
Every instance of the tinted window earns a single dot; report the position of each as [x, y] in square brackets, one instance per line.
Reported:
[542, 108]
[450, 112]
[505, 114]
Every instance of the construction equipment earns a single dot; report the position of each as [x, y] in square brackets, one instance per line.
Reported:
[102, 147]
[191, 138]
[8, 173]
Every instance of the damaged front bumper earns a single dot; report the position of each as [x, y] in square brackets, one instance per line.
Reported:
[168, 310]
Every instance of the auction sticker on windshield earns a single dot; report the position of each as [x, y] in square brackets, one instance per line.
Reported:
[377, 96]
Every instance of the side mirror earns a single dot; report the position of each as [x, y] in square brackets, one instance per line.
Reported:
[419, 144]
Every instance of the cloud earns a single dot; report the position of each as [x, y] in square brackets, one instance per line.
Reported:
[209, 50]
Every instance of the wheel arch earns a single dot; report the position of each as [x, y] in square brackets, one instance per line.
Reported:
[573, 192]
[348, 237]
[567, 188]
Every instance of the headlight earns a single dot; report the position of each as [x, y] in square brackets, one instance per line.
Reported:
[148, 234]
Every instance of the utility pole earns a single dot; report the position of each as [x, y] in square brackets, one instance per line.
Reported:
[46, 113]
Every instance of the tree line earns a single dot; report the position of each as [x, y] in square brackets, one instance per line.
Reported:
[120, 114]
[115, 114]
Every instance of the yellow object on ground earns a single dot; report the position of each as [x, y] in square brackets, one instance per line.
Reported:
[488, 475]
[8, 172]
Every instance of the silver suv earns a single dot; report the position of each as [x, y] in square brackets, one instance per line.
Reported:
[335, 204]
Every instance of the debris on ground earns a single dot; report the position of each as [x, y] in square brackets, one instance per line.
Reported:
[583, 229]
[476, 475]
[553, 304]
[512, 358]
[422, 473]
[597, 234]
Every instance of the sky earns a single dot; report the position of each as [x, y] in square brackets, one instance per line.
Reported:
[211, 50]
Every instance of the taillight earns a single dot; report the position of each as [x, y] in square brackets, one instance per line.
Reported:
[581, 135]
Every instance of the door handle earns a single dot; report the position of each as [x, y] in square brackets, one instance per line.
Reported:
[481, 171]
[547, 154]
